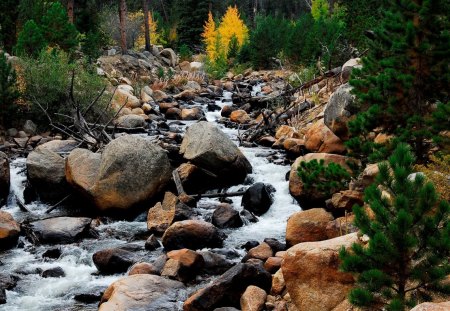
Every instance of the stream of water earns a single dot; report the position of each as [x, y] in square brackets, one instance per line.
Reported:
[34, 293]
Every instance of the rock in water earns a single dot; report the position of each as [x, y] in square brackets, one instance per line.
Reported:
[113, 260]
[4, 177]
[45, 167]
[225, 216]
[61, 230]
[192, 234]
[143, 292]
[209, 148]
[9, 230]
[258, 199]
[131, 170]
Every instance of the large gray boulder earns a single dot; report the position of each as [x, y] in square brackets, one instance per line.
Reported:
[339, 109]
[61, 230]
[4, 177]
[209, 148]
[170, 55]
[45, 167]
[130, 171]
[141, 292]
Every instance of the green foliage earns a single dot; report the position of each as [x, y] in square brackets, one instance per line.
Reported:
[192, 15]
[326, 179]
[407, 257]
[320, 9]
[91, 44]
[8, 28]
[406, 69]
[31, 40]
[8, 90]
[185, 53]
[57, 29]
[218, 67]
[233, 48]
[267, 40]
[47, 82]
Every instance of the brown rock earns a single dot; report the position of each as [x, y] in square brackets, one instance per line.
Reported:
[87, 165]
[183, 265]
[366, 178]
[253, 299]
[186, 95]
[227, 110]
[319, 138]
[137, 111]
[163, 107]
[159, 96]
[272, 264]
[143, 268]
[284, 131]
[341, 226]
[278, 284]
[192, 234]
[240, 116]
[124, 96]
[263, 251]
[173, 114]
[191, 114]
[382, 139]
[142, 292]
[430, 306]
[312, 275]
[345, 200]
[266, 141]
[307, 226]
[162, 215]
[9, 230]
[294, 146]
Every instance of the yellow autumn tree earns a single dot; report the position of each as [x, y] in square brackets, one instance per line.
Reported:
[231, 26]
[209, 37]
[155, 36]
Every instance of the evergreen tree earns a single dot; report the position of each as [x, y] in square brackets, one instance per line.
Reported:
[192, 16]
[408, 252]
[8, 90]
[31, 41]
[8, 24]
[406, 70]
[57, 29]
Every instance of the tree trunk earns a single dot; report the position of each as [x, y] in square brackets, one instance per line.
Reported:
[122, 18]
[147, 26]
[70, 5]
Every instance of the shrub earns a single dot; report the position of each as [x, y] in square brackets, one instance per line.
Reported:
[407, 256]
[47, 82]
[31, 40]
[8, 91]
[326, 179]
[185, 53]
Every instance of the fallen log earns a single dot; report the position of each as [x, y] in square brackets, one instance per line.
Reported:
[220, 195]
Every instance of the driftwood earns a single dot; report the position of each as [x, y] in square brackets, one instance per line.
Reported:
[57, 204]
[21, 205]
[177, 180]
[221, 195]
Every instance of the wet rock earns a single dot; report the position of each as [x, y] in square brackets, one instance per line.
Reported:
[53, 253]
[304, 266]
[307, 226]
[92, 297]
[319, 138]
[215, 263]
[228, 288]
[226, 309]
[311, 197]
[162, 215]
[266, 141]
[225, 216]
[123, 179]
[143, 268]
[143, 292]
[183, 265]
[258, 199]
[208, 147]
[165, 106]
[248, 216]
[9, 230]
[113, 260]
[227, 110]
[152, 243]
[173, 114]
[7, 282]
[192, 234]
[56, 272]
[46, 172]
[249, 245]
[131, 121]
[61, 230]
[194, 179]
[339, 109]
[253, 299]
[186, 95]
[263, 251]
[431, 306]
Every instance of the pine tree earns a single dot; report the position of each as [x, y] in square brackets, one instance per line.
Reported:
[406, 69]
[407, 256]
[57, 29]
[8, 90]
[209, 37]
[31, 40]
[192, 15]
[231, 26]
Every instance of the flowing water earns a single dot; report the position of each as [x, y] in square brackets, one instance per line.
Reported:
[36, 293]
